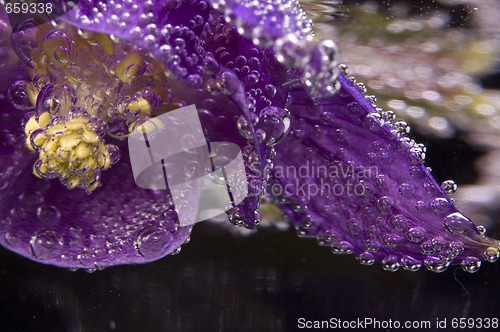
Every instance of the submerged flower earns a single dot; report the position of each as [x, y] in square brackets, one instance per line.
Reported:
[341, 169]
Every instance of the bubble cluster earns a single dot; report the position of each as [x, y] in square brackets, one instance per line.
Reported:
[397, 215]
[263, 22]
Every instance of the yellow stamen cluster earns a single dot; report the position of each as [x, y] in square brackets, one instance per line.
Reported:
[69, 150]
[117, 86]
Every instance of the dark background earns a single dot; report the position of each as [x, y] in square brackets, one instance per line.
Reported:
[218, 282]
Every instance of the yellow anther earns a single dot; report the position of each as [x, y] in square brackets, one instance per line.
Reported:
[128, 68]
[101, 160]
[134, 106]
[53, 166]
[64, 154]
[32, 93]
[68, 150]
[72, 182]
[80, 42]
[50, 146]
[44, 120]
[492, 251]
[69, 141]
[91, 162]
[147, 127]
[43, 169]
[83, 150]
[141, 105]
[39, 139]
[90, 136]
[76, 124]
[31, 126]
[107, 45]
[93, 187]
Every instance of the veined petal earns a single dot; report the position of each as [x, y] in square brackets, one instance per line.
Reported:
[360, 187]
[120, 223]
[201, 46]
[43, 221]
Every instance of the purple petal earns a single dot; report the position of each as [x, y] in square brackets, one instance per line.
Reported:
[43, 221]
[120, 223]
[346, 177]
[197, 45]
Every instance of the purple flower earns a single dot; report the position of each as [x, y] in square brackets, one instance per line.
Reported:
[342, 170]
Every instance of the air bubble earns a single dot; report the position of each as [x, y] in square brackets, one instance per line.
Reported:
[17, 94]
[434, 264]
[354, 226]
[12, 238]
[23, 40]
[401, 128]
[410, 264]
[260, 135]
[427, 248]
[438, 243]
[97, 126]
[407, 189]
[440, 205]
[152, 242]
[371, 245]
[381, 181]
[270, 90]
[343, 248]
[457, 223]
[491, 254]
[244, 127]
[298, 208]
[481, 229]
[400, 223]
[421, 206]
[48, 214]
[390, 263]
[373, 121]
[384, 203]
[114, 153]
[30, 198]
[392, 240]
[327, 118]
[449, 187]
[324, 239]
[291, 51]
[366, 258]
[416, 172]
[457, 247]
[447, 255]
[235, 217]
[471, 264]
[46, 245]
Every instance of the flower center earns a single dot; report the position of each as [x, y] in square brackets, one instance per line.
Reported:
[85, 87]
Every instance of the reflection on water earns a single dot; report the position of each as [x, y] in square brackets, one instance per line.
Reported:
[264, 282]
